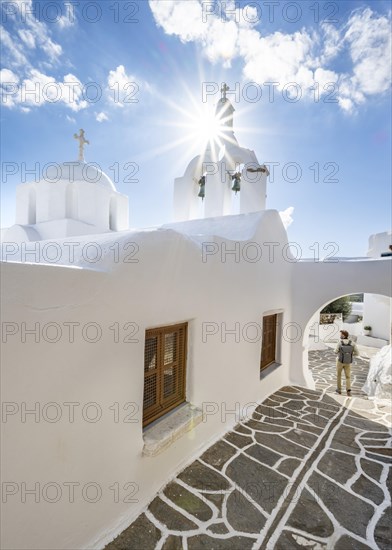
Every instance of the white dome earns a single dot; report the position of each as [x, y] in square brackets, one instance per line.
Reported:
[76, 171]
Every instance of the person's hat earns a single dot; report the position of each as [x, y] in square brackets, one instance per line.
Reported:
[344, 333]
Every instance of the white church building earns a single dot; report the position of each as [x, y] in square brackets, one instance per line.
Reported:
[127, 353]
[74, 198]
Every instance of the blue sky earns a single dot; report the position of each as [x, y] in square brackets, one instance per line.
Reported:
[149, 63]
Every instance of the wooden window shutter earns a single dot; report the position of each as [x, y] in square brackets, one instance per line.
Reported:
[164, 370]
[268, 348]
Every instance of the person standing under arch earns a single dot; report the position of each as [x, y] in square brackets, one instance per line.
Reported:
[345, 349]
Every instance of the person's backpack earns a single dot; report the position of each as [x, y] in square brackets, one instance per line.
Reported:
[346, 353]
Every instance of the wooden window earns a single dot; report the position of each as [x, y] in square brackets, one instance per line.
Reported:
[268, 348]
[164, 370]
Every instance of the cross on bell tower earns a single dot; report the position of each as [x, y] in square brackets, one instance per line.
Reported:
[225, 110]
[225, 88]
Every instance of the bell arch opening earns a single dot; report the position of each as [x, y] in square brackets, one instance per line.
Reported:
[113, 214]
[71, 202]
[32, 207]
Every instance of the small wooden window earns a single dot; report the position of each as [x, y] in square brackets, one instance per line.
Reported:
[164, 370]
[268, 348]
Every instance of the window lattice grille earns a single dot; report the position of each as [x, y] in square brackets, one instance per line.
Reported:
[164, 370]
[268, 347]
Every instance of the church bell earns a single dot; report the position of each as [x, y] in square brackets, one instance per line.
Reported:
[237, 183]
[202, 183]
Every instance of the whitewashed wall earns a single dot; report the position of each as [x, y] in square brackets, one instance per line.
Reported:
[169, 284]
[378, 309]
[379, 243]
[377, 314]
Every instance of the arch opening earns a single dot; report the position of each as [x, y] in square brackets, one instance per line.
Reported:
[32, 207]
[71, 204]
[322, 335]
[113, 214]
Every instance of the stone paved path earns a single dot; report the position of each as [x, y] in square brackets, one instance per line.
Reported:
[322, 365]
[310, 470]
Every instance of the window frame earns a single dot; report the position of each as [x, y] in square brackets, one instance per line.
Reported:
[164, 405]
[275, 342]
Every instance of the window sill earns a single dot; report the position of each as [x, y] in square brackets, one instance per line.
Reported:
[165, 431]
[271, 368]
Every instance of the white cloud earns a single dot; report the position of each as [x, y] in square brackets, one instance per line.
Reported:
[190, 23]
[23, 5]
[346, 104]
[31, 87]
[305, 57]
[27, 37]
[38, 89]
[331, 42]
[324, 77]
[221, 41]
[8, 77]
[72, 93]
[42, 38]
[119, 83]
[101, 117]
[68, 19]
[16, 57]
[286, 216]
[35, 90]
[8, 86]
[29, 33]
[278, 57]
[125, 88]
[183, 19]
[70, 119]
[52, 49]
[119, 77]
[369, 38]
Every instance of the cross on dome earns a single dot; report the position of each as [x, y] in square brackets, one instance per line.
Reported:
[82, 143]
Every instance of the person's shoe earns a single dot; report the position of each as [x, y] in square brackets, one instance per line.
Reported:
[349, 393]
[338, 391]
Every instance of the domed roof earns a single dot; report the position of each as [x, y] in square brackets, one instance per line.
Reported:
[76, 171]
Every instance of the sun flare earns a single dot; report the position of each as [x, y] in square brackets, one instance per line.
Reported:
[193, 126]
[207, 127]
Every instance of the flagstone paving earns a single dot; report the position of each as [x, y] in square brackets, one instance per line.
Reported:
[310, 470]
[322, 364]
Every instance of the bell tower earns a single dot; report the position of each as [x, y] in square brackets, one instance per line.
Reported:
[215, 180]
